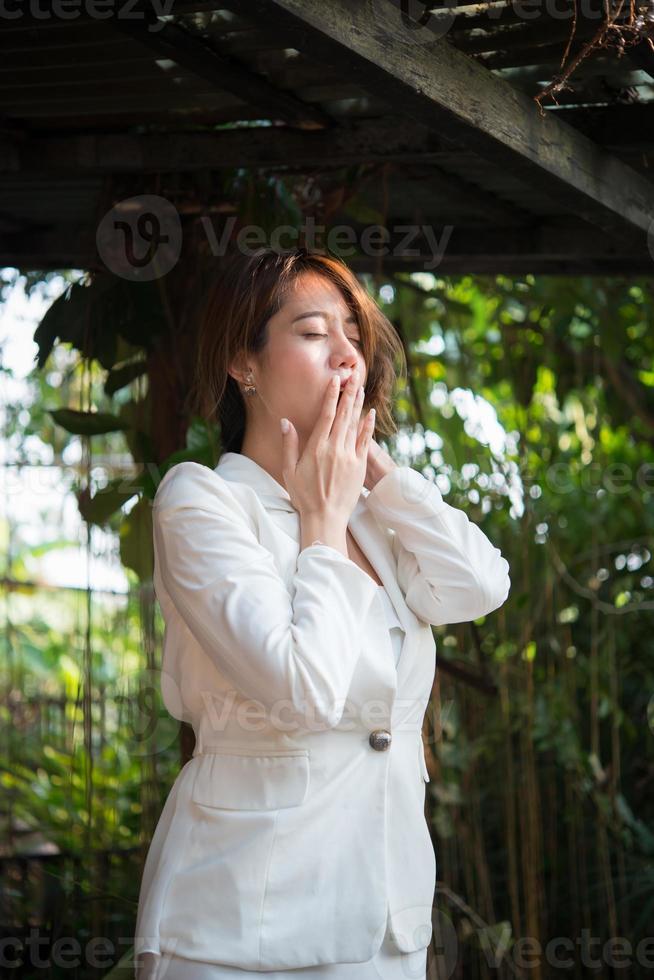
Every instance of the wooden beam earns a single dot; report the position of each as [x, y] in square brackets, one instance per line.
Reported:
[557, 247]
[389, 139]
[622, 129]
[552, 244]
[178, 44]
[394, 141]
[526, 36]
[169, 40]
[446, 90]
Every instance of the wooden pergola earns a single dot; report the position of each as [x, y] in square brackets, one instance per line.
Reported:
[441, 106]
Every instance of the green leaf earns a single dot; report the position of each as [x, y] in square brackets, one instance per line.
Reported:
[87, 423]
[137, 418]
[529, 651]
[63, 319]
[136, 547]
[121, 376]
[100, 507]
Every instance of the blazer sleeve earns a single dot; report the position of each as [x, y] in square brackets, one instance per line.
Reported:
[446, 566]
[293, 651]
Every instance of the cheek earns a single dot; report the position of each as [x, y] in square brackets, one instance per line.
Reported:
[306, 363]
[299, 375]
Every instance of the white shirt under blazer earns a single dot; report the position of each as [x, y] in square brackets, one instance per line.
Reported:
[296, 833]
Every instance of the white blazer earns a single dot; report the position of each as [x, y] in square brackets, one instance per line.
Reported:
[297, 829]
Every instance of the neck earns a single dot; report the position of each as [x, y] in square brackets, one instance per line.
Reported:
[267, 453]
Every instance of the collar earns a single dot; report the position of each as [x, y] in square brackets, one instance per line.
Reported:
[238, 468]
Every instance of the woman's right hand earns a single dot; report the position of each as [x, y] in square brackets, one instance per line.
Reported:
[327, 479]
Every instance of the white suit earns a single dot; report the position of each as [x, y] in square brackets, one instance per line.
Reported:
[296, 832]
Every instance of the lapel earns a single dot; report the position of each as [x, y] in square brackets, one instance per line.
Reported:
[365, 530]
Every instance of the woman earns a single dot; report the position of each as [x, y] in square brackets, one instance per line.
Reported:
[298, 609]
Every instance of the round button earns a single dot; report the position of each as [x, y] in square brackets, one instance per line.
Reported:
[380, 739]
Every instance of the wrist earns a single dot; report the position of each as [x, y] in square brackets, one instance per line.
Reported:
[324, 528]
[378, 470]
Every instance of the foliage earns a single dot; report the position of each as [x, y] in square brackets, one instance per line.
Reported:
[539, 733]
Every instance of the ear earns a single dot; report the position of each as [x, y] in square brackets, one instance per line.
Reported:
[239, 369]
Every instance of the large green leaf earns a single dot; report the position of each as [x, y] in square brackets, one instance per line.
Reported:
[136, 416]
[64, 320]
[95, 317]
[123, 375]
[87, 423]
[136, 548]
[100, 507]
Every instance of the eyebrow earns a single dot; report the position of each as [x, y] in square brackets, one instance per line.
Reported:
[305, 316]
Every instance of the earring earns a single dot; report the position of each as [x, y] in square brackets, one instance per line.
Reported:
[249, 388]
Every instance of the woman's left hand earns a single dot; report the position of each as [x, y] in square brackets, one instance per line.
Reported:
[379, 464]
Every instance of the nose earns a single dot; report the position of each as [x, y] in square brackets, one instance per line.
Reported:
[348, 359]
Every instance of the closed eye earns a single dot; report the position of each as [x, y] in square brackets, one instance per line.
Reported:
[352, 339]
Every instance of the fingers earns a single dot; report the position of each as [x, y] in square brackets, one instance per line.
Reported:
[352, 432]
[346, 407]
[366, 433]
[323, 426]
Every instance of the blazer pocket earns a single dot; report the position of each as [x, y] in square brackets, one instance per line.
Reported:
[234, 780]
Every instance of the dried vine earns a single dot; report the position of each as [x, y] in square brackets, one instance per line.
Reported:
[636, 29]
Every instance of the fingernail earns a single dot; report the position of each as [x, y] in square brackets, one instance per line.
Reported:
[284, 424]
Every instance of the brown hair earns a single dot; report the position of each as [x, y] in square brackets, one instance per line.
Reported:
[247, 292]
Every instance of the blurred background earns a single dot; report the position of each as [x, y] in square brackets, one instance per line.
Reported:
[539, 733]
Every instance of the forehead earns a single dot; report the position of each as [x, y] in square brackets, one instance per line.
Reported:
[320, 293]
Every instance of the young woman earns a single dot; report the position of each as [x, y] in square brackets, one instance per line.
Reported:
[299, 581]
